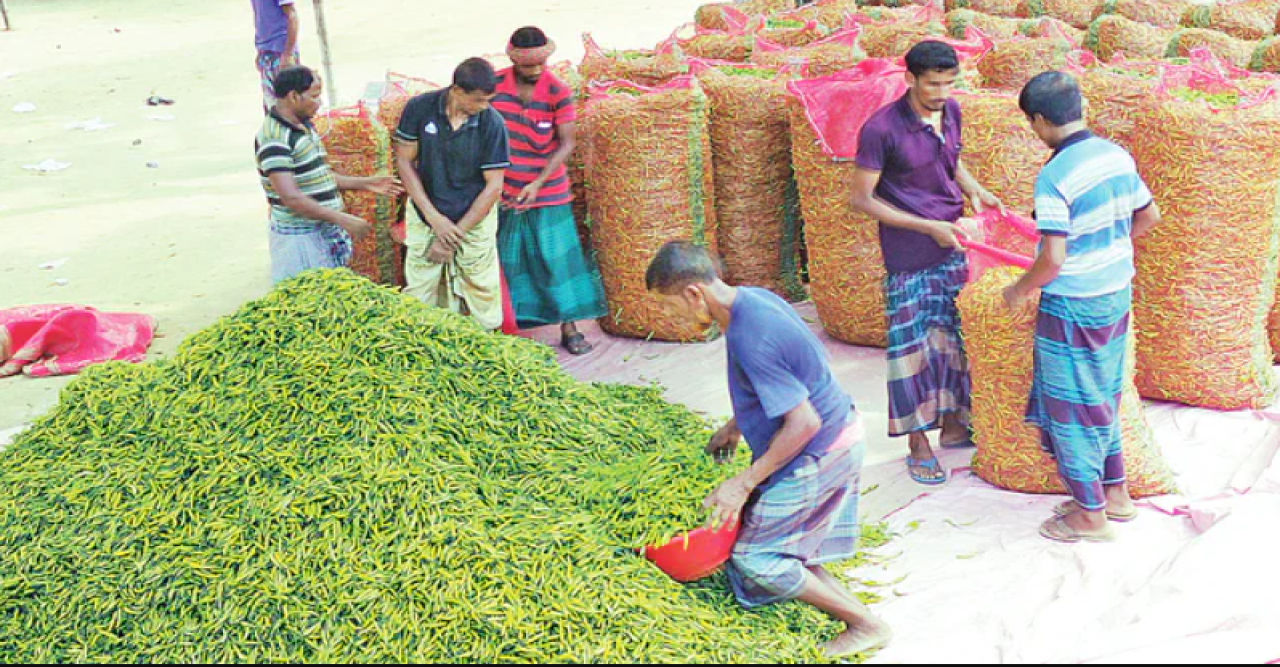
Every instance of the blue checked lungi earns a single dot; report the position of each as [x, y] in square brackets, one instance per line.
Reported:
[268, 63]
[298, 248]
[1080, 354]
[806, 519]
[928, 370]
[550, 279]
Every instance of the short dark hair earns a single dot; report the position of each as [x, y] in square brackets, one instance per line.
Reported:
[679, 264]
[932, 56]
[1055, 96]
[475, 75]
[529, 38]
[298, 79]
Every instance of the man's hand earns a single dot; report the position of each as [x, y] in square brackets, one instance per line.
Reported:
[947, 235]
[440, 253]
[529, 194]
[1017, 297]
[447, 233]
[727, 501]
[724, 444]
[288, 60]
[388, 186]
[356, 227]
[983, 200]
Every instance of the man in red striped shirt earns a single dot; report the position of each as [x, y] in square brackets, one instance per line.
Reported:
[550, 279]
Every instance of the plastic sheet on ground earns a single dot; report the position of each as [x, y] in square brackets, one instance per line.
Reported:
[1190, 582]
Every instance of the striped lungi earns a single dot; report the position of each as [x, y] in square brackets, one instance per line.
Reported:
[550, 279]
[806, 519]
[928, 370]
[1080, 353]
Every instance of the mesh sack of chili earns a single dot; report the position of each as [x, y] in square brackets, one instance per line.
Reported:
[1000, 345]
[396, 93]
[717, 45]
[1012, 63]
[1114, 94]
[1207, 275]
[1160, 13]
[1236, 51]
[1251, 20]
[846, 266]
[1266, 58]
[1078, 13]
[791, 33]
[651, 180]
[834, 54]
[894, 39]
[1113, 36]
[649, 68]
[830, 13]
[1000, 8]
[712, 16]
[751, 150]
[358, 146]
[1000, 150]
[958, 22]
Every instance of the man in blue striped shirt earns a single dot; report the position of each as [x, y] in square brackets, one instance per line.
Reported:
[1090, 206]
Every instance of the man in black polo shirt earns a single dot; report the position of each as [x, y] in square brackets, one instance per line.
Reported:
[451, 154]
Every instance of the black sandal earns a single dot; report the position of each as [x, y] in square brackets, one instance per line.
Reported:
[577, 344]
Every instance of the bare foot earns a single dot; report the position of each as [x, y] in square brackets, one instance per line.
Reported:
[865, 639]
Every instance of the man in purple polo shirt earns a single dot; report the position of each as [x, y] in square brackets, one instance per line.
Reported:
[276, 27]
[911, 179]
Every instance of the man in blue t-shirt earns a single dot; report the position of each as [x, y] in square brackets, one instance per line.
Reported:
[1090, 205]
[797, 504]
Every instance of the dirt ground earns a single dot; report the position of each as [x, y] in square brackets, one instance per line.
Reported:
[186, 242]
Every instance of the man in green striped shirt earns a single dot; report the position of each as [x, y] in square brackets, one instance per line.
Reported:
[309, 229]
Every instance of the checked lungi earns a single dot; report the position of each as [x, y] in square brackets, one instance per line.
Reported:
[928, 370]
[268, 63]
[806, 519]
[300, 247]
[1080, 355]
[550, 278]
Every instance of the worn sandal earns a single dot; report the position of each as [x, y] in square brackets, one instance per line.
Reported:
[1070, 507]
[1058, 530]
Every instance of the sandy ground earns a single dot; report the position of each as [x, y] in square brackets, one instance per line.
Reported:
[186, 242]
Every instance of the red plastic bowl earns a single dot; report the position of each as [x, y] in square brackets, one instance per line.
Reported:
[694, 558]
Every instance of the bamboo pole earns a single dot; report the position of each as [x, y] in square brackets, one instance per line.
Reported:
[322, 28]
[4, 12]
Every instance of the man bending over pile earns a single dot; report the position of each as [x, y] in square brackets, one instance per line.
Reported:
[451, 152]
[1090, 205]
[798, 503]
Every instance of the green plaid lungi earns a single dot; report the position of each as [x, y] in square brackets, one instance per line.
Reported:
[550, 278]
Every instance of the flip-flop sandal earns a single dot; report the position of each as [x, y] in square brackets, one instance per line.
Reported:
[577, 345]
[1070, 507]
[1057, 530]
[932, 465]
